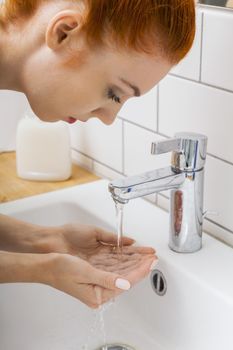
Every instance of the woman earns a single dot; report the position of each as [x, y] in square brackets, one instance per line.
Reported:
[75, 60]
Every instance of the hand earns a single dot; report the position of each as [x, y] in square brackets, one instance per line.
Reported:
[87, 241]
[90, 267]
[94, 286]
[79, 239]
[99, 247]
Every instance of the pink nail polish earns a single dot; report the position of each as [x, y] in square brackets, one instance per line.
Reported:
[122, 284]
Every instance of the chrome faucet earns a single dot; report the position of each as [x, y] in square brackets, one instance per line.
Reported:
[185, 179]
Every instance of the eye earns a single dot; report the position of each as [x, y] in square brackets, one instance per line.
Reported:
[113, 96]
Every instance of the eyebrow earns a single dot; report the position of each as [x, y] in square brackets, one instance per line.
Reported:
[136, 90]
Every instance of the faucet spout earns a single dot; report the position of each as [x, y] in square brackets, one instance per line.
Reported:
[123, 190]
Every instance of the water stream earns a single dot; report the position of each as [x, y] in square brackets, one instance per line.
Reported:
[98, 329]
[119, 225]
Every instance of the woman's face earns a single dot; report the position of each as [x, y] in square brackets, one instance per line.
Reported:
[97, 86]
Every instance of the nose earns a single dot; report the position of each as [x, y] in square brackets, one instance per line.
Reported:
[107, 116]
[107, 119]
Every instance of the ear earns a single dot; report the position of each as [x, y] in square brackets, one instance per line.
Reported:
[62, 27]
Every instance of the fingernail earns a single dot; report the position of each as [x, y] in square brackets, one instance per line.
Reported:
[154, 263]
[122, 284]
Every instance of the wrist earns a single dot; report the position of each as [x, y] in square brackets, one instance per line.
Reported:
[30, 268]
[46, 240]
[24, 237]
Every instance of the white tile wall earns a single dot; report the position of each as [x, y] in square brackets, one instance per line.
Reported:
[219, 191]
[142, 110]
[100, 142]
[195, 97]
[10, 114]
[217, 60]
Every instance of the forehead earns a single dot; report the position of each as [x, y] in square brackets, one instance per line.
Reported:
[146, 71]
[141, 70]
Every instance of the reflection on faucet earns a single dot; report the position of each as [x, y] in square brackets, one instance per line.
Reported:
[178, 211]
[184, 178]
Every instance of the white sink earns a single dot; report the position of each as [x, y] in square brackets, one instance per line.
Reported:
[196, 313]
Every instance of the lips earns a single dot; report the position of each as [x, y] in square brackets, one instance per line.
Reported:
[71, 120]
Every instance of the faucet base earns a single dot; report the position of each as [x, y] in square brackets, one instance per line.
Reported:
[182, 250]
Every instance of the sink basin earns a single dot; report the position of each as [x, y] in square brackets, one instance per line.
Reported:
[195, 313]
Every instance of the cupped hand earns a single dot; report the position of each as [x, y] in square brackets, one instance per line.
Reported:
[100, 279]
[92, 263]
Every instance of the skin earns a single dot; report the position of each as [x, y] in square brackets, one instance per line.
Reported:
[47, 58]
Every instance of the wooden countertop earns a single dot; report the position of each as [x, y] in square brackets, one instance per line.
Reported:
[12, 187]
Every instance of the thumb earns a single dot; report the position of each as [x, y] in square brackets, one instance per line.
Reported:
[109, 280]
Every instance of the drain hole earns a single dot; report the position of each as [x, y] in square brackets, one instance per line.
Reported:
[155, 280]
[161, 285]
[158, 282]
[115, 347]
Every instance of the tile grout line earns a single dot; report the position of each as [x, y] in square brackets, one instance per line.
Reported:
[123, 147]
[220, 159]
[201, 50]
[135, 124]
[97, 161]
[157, 130]
[157, 126]
[219, 225]
[200, 83]
[207, 219]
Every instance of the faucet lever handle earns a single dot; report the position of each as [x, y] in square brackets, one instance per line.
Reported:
[173, 144]
[188, 150]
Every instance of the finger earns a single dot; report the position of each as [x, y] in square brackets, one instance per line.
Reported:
[123, 267]
[111, 238]
[111, 262]
[137, 265]
[138, 250]
[109, 280]
[141, 272]
[112, 259]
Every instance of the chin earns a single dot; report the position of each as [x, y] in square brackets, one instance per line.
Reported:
[48, 119]
[41, 114]
[45, 117]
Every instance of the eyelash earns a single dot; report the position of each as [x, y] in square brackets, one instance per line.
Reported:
[113, 97]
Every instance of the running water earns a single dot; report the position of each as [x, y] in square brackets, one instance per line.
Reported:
[119, 218]
[98, 330]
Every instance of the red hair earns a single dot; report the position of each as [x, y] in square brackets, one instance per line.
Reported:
[141, 25]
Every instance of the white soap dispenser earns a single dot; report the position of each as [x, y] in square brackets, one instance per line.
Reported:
[43, 149]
